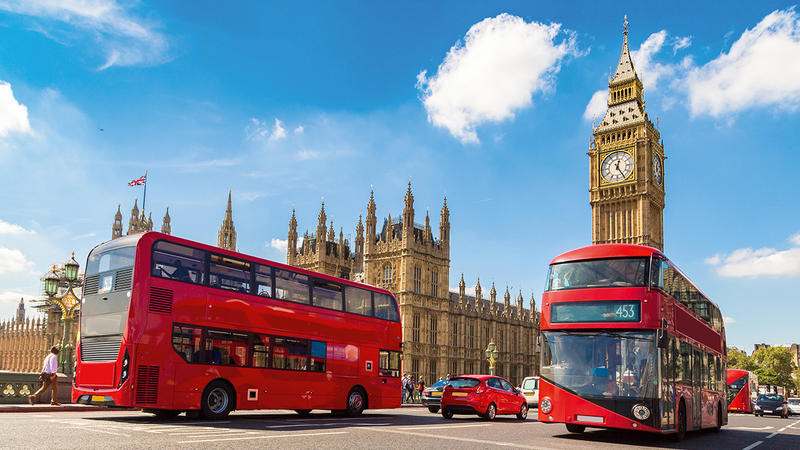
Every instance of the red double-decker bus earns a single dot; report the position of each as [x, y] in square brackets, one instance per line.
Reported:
[742, 390]
[171, 325]
[629, 342]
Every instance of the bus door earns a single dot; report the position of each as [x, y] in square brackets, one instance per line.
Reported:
[697, 389]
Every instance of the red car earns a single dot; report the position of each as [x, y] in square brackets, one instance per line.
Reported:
[484, 395]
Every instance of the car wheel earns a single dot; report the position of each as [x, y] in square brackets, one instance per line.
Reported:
[356, 402]
[217, 401]
[523, 411]
[433, 409]
[575, 428]
[303, 412]
[447, 414]
[491, 412]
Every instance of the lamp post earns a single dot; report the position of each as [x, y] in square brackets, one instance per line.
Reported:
[66, 277]
[491, 355]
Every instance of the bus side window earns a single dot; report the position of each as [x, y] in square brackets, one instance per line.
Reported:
[385, 307]
[178, 262]
[319, 351]
[263, 280]
[291, 286]
[359, 301]
[226, 348]
[186, 342]
[228, 273]
[327, 295]
[260, 351]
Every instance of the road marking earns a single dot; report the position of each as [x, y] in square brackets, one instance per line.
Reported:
[219, 435]
[782, 430]
[752, 428]
[445, 426]
[263, 437]
[771, 435]
[452, 438]
[753, 445]
[366, 424]
[105, 431]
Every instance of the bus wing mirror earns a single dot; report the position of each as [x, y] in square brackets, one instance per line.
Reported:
[663, 340]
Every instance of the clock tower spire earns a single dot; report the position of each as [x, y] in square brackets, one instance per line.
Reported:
[626, 160]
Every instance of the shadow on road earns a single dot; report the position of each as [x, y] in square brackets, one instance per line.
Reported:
[725, 438]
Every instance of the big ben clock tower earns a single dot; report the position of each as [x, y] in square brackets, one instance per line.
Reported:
[626, 161]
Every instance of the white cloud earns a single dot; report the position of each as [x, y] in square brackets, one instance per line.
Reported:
[729, 320]
[597, 105]
[13, 261]
[11, 228]
[13, 115]
[299, 129]
[761, 68]
[501, 63]
[125, 39]
[746, 262]
[259, 130]
[9, 300]
[282, 245]
[680, 42]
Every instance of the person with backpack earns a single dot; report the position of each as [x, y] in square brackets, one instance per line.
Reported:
[420, 387]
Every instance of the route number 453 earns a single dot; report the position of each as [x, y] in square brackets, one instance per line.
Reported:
[626, 312]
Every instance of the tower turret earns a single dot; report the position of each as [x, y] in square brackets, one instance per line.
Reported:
[133, 222]
[370, 222]
[321, 229]
[227, 232]
[478, 298]
[116, 229]
[291, 244]
[166, 225]
[408, 215]
[444, 226]
[21, 311]
[462, 288]
[507, 302]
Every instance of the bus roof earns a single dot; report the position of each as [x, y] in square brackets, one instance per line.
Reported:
[605, 251]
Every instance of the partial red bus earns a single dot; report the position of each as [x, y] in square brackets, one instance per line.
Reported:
[172, 325]
[742, 389]
[629, 342]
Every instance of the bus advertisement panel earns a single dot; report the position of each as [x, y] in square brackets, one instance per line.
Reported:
[171, 325]
[629, 342]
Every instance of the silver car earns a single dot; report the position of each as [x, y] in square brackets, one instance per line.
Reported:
[794, 406]
[530, 389]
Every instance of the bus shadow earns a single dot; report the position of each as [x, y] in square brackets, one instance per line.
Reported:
[725, 438]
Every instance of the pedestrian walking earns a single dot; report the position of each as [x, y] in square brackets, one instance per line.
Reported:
[48, 378]
[404, 387]
[409, 389]
[420, 387]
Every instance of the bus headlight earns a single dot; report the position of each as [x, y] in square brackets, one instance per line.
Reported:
[124, 374]
[641, 412]
[545, 405]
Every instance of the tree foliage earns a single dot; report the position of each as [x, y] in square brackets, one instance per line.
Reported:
[774, 366]
[738, 359]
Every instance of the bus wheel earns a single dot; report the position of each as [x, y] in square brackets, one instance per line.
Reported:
[491, 412]
[719, 418]
[356, 402]
[681, 431]
[217, 400]
[303, 412]
[575, 428]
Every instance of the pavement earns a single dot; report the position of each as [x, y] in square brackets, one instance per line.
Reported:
[408, 428]
[65, 407]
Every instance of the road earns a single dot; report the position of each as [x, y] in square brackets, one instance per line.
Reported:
[407, 428]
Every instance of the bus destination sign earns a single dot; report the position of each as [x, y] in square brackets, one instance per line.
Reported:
[594, 311]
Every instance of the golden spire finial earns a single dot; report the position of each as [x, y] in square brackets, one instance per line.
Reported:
[625, 26]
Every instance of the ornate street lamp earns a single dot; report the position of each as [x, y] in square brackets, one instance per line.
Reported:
[492, 355]
[67, 302]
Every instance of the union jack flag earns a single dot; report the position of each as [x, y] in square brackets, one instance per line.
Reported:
[139, 181]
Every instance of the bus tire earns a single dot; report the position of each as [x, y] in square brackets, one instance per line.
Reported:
[575, 428]
[719, 418]
[217, 401]
[680, 432]
[303, 412]
[356, 402]
[491, 412]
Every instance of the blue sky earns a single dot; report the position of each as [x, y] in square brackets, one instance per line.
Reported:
[489, 103]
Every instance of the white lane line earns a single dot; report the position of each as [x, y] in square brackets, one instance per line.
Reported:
[753, 445]
[452, 438]
[103, 431]
[445, 426]
[199, 422]
[782, 430]
[362, 424]
[219, 435]
[751, 428]
[771, 435]
[218, 430]
[274, 436]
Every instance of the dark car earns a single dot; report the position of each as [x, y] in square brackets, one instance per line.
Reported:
[771, 404]
[432, 395]
[484, 395]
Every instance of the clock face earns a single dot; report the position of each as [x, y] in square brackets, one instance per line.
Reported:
[657, 169]
[617, 167]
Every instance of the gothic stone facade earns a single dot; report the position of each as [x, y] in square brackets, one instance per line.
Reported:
[443, 332]
[626, 165]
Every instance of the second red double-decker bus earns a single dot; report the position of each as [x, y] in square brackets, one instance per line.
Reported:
[629, 342]
[742, 390]
[171, 325]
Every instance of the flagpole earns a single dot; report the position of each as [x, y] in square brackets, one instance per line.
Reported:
[144, 198]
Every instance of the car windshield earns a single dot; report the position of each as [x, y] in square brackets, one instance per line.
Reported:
[770, 398]
[438, 384]
[616, 272]
[601, 363]
[464, 382]
[794, 401]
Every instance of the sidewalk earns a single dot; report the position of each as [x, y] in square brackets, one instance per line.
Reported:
[46, 407]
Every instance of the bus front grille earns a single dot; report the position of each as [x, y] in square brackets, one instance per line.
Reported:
[105, 348]
[147, 384]
[123, 278]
